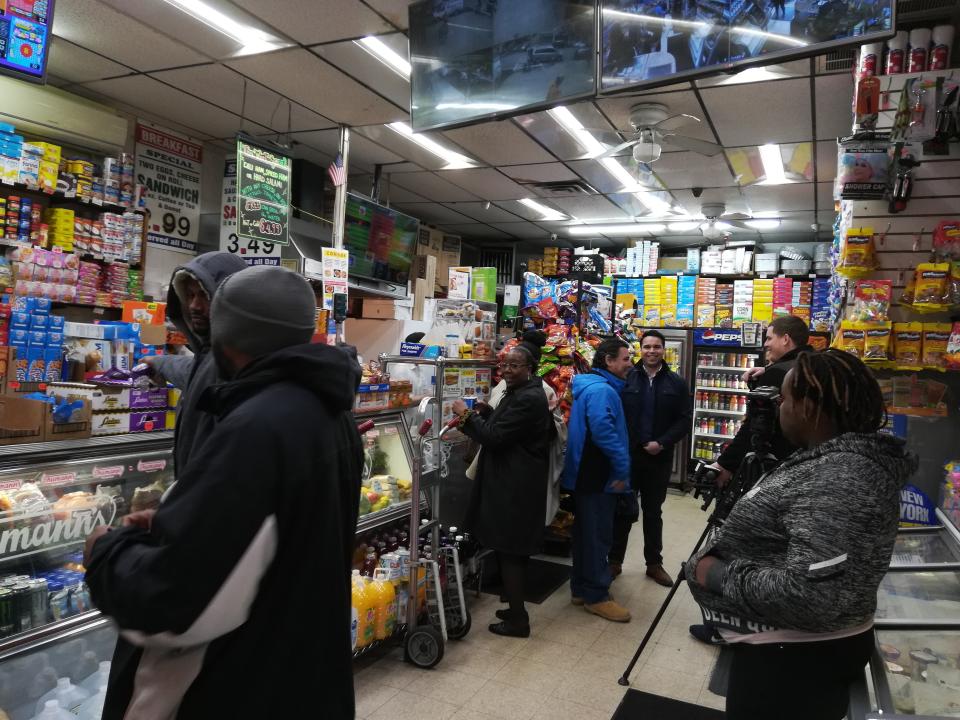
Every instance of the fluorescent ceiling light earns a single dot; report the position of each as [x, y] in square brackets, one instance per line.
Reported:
[683, 226]
[772, 165]
[761, 224]
[573, 126]
[546, 212]
[253, 40]
[389, 57]
[454, 160]
[752, 75]
[476, 106]
[625, 229]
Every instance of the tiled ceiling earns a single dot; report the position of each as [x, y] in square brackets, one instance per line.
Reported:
[127, 52]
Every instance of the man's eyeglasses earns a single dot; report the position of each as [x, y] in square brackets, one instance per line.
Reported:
[511, 366]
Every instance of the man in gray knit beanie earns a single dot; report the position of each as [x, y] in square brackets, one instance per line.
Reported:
[259, 311]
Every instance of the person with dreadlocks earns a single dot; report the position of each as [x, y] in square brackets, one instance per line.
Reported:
[790, 580]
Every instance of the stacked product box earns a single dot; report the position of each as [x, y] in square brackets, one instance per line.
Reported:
[61, 223]
[49, 165]
[11, 145]
[782, 296]
[651, 302]
[763, 300]
[20, 221]
[742, 302]
[801, 300]
[37, 339]
[820, 306]
[120, 410]
[29, 173]
[686, 299]
[45, 274]
[668, 301]
[706, 302]
[724, 311]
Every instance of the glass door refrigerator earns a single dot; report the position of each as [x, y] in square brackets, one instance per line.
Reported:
[719, 393]
[679, 356]
[51, 496]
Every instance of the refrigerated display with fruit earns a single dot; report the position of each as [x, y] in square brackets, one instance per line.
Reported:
[53, 644]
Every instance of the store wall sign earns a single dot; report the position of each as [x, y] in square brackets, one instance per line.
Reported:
[336, 265]
[169, 167]
[263, 194]
[52, 532]
[717, 337]
[252, 251]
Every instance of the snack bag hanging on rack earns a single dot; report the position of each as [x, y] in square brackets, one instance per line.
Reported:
[936, 338]
[850, 338]
[946, 240]
[952, 356]
[876, 343]
[931, 283]
[858, 256]
[872, 300]
[907, 344]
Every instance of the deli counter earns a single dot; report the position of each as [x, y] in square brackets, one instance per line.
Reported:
[51, 496]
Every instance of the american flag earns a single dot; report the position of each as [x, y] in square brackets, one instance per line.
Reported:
[336, 172]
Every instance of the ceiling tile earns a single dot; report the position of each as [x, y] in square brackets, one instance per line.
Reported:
[477, 231]
[782, 198]
[360, 64]
[826, 160]
[224, 87]
[781, 112]
[729, 196]
[551, 135]
[779, 71]
[494, 213]
[406, 148]
[303, 77]
[545, 172]
[689, 169]
[528, 213]
[432, 212]
[618, 110]
[309, 22]
[152, 96]
[595, 207]
[71, 62]
[825, 199]
[363, 152]
[432, 187]
[525, 230]
[393, 193]
[486, 183]
[499, 143]
[102, 29]
[393, 10]
[834, 113]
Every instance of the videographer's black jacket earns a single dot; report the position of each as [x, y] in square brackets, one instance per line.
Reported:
[671, 411]
[731, 458]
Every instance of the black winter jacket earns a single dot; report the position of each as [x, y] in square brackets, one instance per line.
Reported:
[782, 448]
[671, 413]
[236, 603]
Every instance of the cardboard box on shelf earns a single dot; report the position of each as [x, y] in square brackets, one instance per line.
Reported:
[21, 420]
[379, 309]
[148, 421]
[483, 284]
[145, 313]
[79, 427]
[111, 423]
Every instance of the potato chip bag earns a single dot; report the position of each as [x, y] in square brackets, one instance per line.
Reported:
[907, 344]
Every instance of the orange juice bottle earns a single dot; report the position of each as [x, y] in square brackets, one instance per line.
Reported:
[385, 599]
[363, 606]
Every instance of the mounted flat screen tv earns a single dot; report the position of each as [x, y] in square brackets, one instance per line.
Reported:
[482, 59]
[381, 241]
[25, 38]
[657, 42]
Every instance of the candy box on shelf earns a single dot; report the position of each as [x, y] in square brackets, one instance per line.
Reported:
[148, 421]
[21, 420]
[111, 423]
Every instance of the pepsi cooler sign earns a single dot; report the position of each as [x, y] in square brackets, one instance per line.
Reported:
[717, 337]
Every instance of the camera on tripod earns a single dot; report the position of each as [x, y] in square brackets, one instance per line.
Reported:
[763, 408]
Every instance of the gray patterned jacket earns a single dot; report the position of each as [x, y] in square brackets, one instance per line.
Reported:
[806, 549]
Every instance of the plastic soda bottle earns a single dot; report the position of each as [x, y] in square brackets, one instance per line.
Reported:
[385, 603]
[363, 606]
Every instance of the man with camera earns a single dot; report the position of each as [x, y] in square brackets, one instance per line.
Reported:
[786, 338]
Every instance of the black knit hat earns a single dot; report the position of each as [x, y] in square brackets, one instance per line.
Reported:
[531, 342]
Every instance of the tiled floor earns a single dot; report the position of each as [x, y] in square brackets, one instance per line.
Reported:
[568, 668]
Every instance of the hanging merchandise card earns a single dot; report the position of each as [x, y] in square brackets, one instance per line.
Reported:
[169, 166]
[263, 194]
[253, 252]
[335, 263]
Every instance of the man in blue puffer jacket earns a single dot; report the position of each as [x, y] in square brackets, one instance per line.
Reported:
[597, 471]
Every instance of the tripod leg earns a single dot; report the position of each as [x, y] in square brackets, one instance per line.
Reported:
[625, 678]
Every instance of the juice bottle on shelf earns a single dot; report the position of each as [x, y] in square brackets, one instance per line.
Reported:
[385, 604]
[369, 564]
[363, 606]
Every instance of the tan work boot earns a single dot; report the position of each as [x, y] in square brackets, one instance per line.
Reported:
[578, 601]
[609, 610]
[659, 575]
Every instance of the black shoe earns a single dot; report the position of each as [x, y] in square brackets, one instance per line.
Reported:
[509, 629]
[707, 634]
[505, 614]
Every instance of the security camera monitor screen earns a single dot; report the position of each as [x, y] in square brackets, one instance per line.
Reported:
[25, 37]
[475, 59]
[654, 42]
[381, 241]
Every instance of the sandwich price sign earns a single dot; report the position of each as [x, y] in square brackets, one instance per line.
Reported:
[263, 194]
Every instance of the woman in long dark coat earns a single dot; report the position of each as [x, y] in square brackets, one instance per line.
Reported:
[509, 496]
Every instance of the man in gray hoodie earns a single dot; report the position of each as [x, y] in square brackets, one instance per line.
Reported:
[192, 286]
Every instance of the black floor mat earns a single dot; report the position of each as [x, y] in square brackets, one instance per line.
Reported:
[543, 578]
[638, 705]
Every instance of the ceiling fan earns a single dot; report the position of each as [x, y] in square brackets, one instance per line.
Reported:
[654, 126]
[714, 214]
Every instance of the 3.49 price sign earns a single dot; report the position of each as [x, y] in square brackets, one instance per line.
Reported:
[253, 251]
[169, 166]
[263, 193]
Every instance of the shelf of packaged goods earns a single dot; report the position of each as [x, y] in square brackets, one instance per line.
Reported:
[723, 368]
[732, 413]
[713, 435]
[705, 388]
[60, 197]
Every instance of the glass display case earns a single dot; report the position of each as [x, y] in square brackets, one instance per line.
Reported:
[919, 596]
[925, 547]
[51, 496]
[387, 470]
